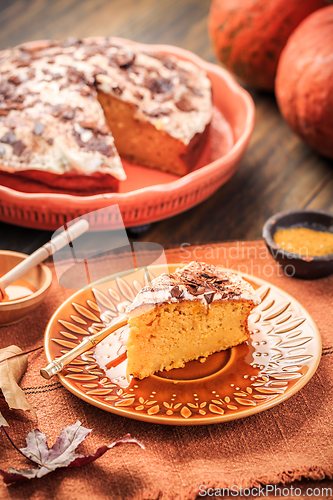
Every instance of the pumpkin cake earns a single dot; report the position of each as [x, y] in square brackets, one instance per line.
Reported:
[67, 110]
[187, 315]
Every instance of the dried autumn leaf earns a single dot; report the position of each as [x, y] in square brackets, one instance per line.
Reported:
[11, 372]
[3, 421]
[62, 453]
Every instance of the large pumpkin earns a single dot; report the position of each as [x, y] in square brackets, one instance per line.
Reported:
[249, 35]
[304, 81]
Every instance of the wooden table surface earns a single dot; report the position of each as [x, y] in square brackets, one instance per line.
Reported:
[278, 171]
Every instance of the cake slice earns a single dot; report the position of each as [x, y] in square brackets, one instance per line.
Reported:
[187, 315]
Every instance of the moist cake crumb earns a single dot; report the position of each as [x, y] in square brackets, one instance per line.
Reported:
[187, 315]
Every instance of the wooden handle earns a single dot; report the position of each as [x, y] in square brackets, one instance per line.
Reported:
[58, 364]
[45, 251]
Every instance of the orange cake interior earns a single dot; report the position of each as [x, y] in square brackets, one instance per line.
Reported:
[144, 143]
[187, 315]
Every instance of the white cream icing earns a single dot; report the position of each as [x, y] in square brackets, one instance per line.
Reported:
[162, 296]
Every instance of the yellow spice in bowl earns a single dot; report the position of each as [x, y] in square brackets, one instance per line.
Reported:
[305, 241]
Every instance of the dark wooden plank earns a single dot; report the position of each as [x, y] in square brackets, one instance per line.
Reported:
[323, 200]
[147, 21]
[22, 239]
[4, 4]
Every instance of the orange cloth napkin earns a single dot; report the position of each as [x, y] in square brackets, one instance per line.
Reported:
[288, 442]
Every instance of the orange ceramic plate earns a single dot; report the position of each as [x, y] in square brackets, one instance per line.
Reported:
[149, 195]
[281, 357]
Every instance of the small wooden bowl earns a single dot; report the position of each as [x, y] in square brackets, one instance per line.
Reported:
[40, 277]
[293, 264]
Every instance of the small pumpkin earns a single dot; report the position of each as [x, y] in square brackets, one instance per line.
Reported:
[249, 35]
[304, 81]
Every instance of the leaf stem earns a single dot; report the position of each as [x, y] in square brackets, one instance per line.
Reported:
[23, 352]
[16, 448]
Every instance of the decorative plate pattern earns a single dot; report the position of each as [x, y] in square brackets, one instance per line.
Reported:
[280, 357]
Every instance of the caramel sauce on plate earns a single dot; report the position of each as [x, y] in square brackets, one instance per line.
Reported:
[305, 241]
[19, 289]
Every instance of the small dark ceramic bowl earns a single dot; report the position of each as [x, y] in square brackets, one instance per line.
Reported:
[293, 264]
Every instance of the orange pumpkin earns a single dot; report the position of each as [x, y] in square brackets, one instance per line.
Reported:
[249, 35]
[304, 81]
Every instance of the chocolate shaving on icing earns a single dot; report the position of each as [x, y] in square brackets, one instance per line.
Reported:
[2, 151]
[195, 90]
[194, 290]
[65, 112]
[158, 112]
[185, 104]
[209, 297]
[138, 95]
[18, 148]
[31, 48]
[118, 90]
[71, 41]
[169, 64]
[23, 64]
[95, 144]
[189, 277]
[99, 144]
[4, 112]
[23, 60]
[176, 292]
[103, 129]
[38, 128]
[98, 71]
[56, 110]
[75, 76]
[89, 125]
[160, 85]
[8, 138]
[6, 91]
[14, 80]
[206, 280]
[162, 97]
[85, 91]
[182, 75]
[31, 73]
[49, 141]
[123, 60]
[68, 114]
[166, 61]
[91, 51]
[19, 98]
